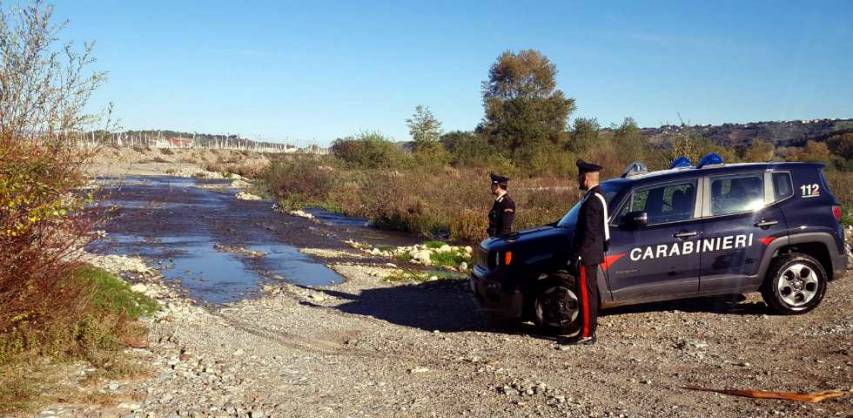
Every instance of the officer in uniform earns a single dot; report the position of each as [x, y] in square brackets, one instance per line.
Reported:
[503, 210]
[590, 243]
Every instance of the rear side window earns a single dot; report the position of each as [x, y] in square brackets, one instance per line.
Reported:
[736, 194]
[782, 187]
[673, 202]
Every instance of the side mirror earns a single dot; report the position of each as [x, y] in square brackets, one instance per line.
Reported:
[636, 219]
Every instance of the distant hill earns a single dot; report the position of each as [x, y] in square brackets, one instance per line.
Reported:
[781, 134]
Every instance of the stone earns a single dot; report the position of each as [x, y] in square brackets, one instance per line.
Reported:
[247, 196]
[129, 405]
[418, 370]
[139, 287]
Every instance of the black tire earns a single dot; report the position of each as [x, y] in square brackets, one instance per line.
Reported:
[555, 306]
[795, 284]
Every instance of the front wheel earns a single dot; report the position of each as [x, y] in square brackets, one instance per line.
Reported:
[795, 284]
[556, 309]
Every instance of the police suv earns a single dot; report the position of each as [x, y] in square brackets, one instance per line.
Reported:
[709, 230]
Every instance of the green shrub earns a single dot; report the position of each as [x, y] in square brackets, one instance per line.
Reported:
[300, 181]
[368, 150]
[112, 294]
[448, 258]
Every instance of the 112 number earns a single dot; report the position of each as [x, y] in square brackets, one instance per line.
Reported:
[810, 190]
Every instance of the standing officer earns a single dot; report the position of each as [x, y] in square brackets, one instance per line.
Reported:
[503, 210]
[590, 242]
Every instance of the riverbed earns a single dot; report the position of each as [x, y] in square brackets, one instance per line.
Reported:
[217, 248]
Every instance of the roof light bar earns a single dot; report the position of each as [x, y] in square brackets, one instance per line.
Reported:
[681, 162]
[710, 159]
[635, 168]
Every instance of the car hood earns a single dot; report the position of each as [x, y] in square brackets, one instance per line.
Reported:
[528, 237]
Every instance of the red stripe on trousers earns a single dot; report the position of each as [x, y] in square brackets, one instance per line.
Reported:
[584, 302]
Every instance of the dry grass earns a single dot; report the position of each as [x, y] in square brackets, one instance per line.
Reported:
[441, 202]
[35, 356]
[841, 183]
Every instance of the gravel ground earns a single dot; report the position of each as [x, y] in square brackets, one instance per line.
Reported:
[370, 348]
[367, 347]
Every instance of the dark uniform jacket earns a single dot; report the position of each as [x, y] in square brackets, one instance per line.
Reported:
[591, 233]
[501, 216]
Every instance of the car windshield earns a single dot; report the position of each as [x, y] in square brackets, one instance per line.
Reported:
[610, 189]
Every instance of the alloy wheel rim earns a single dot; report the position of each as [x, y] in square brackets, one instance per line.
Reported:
[558, 306]
[797, 285]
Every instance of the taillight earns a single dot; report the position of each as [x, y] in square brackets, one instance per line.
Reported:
[836, 212]
[508, 258]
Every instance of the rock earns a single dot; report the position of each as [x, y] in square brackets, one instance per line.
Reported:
[422, 256]
[463, 266]
[247, 196]
[139, 287]
[316, 297]
[418, 370]
[114, 386]
[129, 405]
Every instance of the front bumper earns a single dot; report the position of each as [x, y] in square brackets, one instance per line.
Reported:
[493, 297]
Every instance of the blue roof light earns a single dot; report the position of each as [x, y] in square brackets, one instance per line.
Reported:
[710, 159]
[681, 162]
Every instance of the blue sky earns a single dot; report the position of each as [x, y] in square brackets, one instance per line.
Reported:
[315, 71]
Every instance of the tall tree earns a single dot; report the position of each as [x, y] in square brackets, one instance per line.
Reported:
[522, 103]
[424, 128]
[629, 141]
[584, 134]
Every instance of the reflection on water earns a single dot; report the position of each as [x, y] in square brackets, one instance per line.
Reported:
[174, 225]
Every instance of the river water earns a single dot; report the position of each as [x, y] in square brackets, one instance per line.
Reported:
[220, 249]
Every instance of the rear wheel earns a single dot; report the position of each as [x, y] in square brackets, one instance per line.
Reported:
[795, 284]
[556, 306]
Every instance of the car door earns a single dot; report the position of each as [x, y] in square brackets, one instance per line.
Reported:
[740, 218]
[652, 262]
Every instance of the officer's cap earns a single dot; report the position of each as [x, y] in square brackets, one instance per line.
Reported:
[585, 167]
[498, 179]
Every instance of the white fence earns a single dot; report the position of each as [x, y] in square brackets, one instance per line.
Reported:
[124, 140]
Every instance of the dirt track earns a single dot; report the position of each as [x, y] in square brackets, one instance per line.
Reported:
[368, 348]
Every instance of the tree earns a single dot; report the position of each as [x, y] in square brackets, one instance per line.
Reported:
[813, 151]
[759, 150]
[424, 128]
[368, 150]
[521, 101]
[44, 87]
[629, 140]
[584, 134]
[842, 145]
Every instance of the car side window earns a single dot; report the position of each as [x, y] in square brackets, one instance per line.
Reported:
[735, 194]
[782, 187]
[671, 202]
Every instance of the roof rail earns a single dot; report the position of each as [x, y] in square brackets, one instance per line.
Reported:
[634, 169]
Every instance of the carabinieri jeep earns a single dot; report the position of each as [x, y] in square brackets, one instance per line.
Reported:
[686, 232]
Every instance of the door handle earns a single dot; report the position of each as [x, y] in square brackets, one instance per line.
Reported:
[766, 223]
[685, 234]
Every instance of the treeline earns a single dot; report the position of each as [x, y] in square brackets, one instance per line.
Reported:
[526, 131]
[437, 185]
